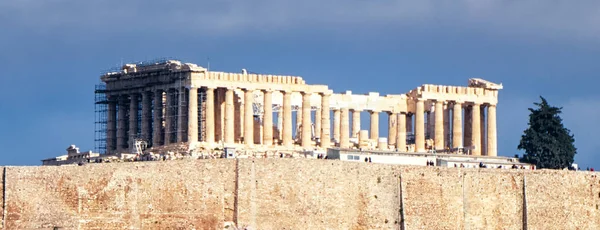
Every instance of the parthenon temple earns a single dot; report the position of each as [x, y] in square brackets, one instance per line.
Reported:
[170, 102]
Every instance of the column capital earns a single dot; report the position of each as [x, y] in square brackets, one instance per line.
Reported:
[267, 90]
[306, 93]
[374, 111]
[458, 102]
[491, 105]
[210, 87]
[420, 100]
[356, 110]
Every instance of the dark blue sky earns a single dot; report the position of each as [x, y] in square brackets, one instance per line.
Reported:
[53, 52]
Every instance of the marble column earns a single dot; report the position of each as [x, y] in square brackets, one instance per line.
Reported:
[182, 112]
[306, 121]
[439, 125]
[157, 134]
[457, 125]
[210, 116]
[392, 128]
[318, 115]
[336, 125]
[325, 122]
[287, 119]
[420, 126]
[355, 122]
[482, 129]
[268, 118]
[476, 130]
[146, 116]
[229, 117]
[492, 146]
[111, 126]
[280, 124]
[122, 123]
[447, 130]
[192, 125]
[298, 123]
[169, 117]
[401, 132]
[249, 117]
[374, 125]
[220, 114]
[345, 128]
[133, 119]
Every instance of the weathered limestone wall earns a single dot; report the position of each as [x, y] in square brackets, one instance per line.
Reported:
[296, 194]
[194, 194]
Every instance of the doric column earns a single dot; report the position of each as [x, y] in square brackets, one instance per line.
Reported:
[420, 126]
[482, 129]
[401, 132]
[492, 146]
[345, 128]
[182, 112]
[336, 125]
[210, 115]
[439, 125]
[325, 123]
[249, 117]
[268, 118]
[306, 121]
[355, 122]
[317, 122]
[280, 124]
[192, 130]
[476, 130]
[447, 129]
[157, 134]
[220, 114]
[392, 128]
[169, 117]
[299, 117]
[287, 119]
[146, 116]
[229, 117]
[457, 125]
[374, 125]
[122, 124]
[111, 126]
[133, 118]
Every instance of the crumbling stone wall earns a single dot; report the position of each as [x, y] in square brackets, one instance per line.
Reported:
[295, 194]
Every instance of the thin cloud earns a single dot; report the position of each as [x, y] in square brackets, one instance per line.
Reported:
[562, 19]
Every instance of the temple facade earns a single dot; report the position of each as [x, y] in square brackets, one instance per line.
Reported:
[173, 103]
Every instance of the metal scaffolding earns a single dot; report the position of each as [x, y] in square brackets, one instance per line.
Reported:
[100, 120]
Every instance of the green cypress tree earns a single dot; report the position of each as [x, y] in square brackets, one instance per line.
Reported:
[547, 143]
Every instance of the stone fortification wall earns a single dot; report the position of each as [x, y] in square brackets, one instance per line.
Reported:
[295, 194]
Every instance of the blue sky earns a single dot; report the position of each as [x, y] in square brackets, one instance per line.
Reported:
[52, 53]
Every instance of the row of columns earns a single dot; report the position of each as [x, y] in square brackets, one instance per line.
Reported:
[158, 126]
[267, 134]
[438, 126]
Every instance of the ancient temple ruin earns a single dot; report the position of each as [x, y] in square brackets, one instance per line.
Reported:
[173, 103]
